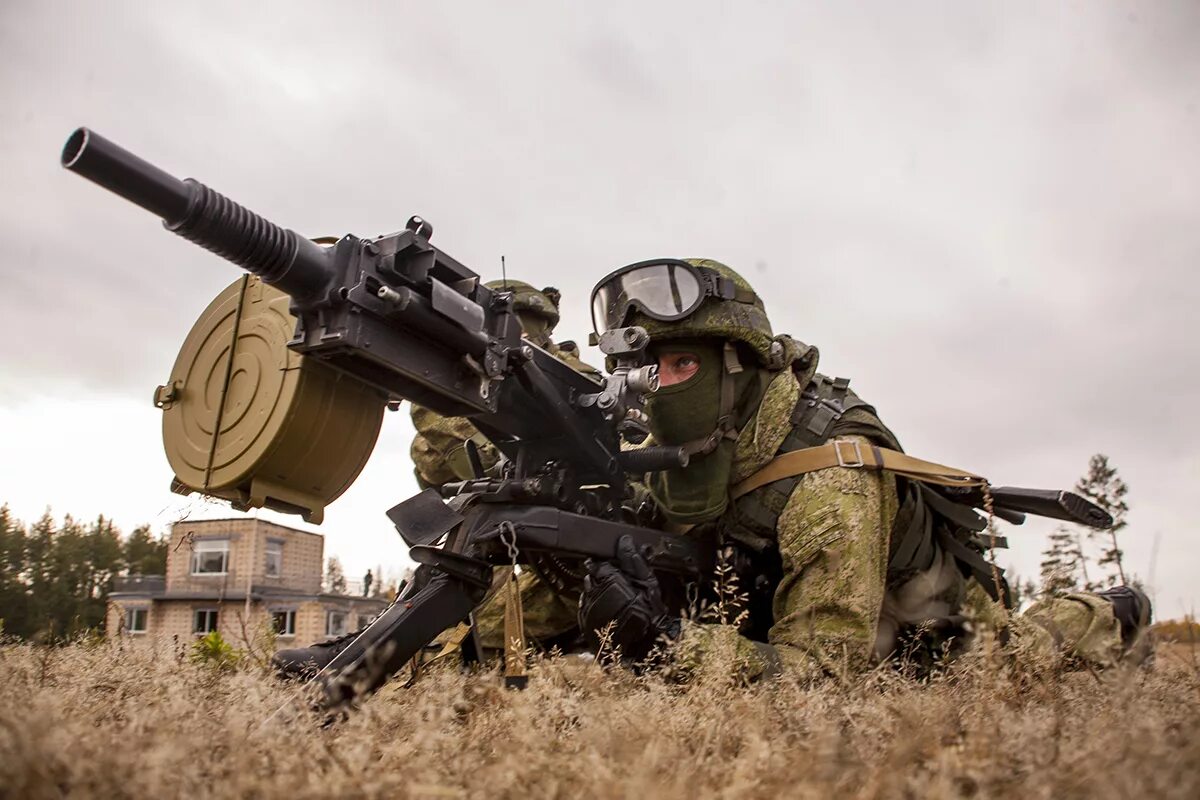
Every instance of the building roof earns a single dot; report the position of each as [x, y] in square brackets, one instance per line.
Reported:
[245, 519]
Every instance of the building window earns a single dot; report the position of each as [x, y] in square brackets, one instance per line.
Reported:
[135, 620]
[335, 623]
[210, 557]
[283, 623]
[204, 620]
[274, 559]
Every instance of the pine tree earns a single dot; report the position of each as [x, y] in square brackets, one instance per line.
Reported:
[69, 579]
[144, 554]
[105, 560]
[1062, 562]
[335, 576]
[1021, 590]
[1089, 585]
[55, 579]
[14, 595]
[1105, 488]
[39, 574]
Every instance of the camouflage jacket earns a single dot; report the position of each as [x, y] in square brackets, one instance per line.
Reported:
[838, 603]
[832, 596]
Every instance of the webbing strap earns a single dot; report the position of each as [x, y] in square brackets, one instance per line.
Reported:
[850, 454]
[989, 577]
[911, 541]
[819, 412]
[514, 636]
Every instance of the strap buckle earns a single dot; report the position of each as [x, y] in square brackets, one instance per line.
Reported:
[841, 459]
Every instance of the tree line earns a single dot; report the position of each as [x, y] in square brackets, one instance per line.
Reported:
[55, 577]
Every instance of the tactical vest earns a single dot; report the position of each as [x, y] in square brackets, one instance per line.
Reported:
[926, 520]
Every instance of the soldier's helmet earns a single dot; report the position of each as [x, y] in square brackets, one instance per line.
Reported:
[528, 300]
[684, 299]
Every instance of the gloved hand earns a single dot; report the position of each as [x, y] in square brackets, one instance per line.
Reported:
[626, 594]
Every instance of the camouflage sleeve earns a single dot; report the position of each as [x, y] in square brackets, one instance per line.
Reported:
[439, 448]
[568, 353]
[1076, 628]
[547, 613]
[833, 538]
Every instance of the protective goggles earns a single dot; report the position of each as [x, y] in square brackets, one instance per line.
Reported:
[664, 289]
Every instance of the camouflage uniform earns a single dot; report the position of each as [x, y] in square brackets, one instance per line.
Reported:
[834, 606]
[439, 454]
[837, 606]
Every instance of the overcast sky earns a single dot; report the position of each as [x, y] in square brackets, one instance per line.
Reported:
[987, 216]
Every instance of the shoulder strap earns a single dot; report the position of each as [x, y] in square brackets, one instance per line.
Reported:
[854, 455]
[826, 410]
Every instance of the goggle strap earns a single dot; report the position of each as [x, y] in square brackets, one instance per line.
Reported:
[713, 285]
[745, 296]
[717, 285]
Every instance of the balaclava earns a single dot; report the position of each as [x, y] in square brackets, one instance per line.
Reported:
[703, 414]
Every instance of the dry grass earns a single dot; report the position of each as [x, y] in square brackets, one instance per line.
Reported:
[101, 720]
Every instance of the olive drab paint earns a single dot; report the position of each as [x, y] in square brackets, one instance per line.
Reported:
[252, 422]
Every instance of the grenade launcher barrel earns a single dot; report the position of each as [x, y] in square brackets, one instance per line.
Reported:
[279, 256]
[355, 312]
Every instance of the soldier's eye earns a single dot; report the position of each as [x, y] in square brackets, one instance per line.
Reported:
[677, 367]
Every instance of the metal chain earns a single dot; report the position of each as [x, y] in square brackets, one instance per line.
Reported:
[508, 538]
[997, 581]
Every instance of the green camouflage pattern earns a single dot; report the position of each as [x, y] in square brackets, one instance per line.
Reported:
[1078, 627]
[530, 301]
[760, 439]
[834, 610]
[833, 539]
[703, 646]
[720, 319]
[439, 450]
[547, 615]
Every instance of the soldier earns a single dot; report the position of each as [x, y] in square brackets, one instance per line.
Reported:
[843, 564]
[439, 450]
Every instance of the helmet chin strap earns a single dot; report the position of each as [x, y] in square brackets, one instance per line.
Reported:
[726, 429]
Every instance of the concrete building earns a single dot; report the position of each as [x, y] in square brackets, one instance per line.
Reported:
[240, 577]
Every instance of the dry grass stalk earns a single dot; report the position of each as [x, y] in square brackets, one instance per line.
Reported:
[105, 720]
